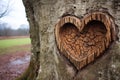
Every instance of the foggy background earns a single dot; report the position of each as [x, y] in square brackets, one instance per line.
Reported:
[13, 19]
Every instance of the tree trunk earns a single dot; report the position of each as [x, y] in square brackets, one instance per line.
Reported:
[50, 59]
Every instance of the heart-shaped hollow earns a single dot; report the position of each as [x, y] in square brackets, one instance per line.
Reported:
[81, 41]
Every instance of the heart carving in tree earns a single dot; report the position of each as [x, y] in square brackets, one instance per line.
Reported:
[83, 40]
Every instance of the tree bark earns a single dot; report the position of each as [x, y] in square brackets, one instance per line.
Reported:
[47, 63]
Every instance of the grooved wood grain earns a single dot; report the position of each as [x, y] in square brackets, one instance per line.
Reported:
[82, 40]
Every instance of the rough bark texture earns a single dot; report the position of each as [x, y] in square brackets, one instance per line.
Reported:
[46, 62]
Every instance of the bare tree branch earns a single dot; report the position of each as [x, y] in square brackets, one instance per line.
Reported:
[5, 10]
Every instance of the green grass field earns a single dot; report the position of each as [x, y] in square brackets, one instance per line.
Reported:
[13, 42]
[14, 45]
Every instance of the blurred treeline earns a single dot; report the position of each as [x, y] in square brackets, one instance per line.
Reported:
[6, 30]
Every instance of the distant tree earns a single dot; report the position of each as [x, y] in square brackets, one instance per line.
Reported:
[24, 26]
[24, 29]
[1, 30]
[5, 29]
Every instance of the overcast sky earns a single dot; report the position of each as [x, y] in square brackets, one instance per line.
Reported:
[14, 13]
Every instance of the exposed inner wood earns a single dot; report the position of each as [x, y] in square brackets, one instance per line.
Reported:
[81, 41]
[91, 40]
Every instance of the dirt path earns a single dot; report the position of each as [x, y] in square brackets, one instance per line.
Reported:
[13, 65]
